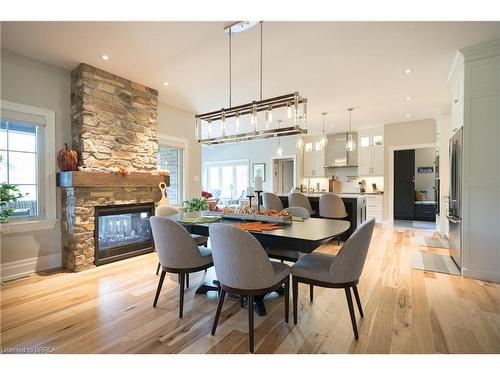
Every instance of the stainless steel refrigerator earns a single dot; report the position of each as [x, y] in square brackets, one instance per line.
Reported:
[455, 199]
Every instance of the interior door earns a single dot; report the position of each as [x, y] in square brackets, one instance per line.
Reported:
[404, 184]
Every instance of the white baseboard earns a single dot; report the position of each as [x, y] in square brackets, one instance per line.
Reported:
[24, 267]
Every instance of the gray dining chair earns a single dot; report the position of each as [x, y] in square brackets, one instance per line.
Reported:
[286, 255]
[165, 211]
[340, 271]
[300, 200]
[331, 206]
[243, 268]
[178, 253]
[271, 201]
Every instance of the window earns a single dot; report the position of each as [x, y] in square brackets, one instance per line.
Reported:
[171, 158]
[21, 147]
[365, 141]
[226, 180]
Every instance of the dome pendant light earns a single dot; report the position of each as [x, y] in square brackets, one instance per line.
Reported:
[350, 145]
[324, 139]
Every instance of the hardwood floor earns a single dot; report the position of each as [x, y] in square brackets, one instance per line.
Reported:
[109, 310]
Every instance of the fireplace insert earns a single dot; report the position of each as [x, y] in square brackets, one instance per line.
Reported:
[122, 231]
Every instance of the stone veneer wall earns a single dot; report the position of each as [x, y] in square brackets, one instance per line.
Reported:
[78, 205]
[114, 121]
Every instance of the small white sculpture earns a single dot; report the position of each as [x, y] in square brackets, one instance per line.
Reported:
[164, 200]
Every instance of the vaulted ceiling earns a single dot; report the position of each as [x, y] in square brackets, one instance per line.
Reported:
[335, 65]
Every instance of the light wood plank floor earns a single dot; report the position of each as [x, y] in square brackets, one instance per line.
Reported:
[109, 310]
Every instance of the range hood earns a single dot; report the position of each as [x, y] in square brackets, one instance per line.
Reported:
[336, 154]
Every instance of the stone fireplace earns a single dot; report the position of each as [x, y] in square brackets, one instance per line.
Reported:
[114, 124]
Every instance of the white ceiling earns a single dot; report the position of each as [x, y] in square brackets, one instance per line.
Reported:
[335, 65]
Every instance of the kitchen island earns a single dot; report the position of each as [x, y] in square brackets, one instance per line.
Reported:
[355, 205]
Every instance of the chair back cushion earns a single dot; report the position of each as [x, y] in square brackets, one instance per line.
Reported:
[331, 206]
[299, 200]
[174, 245]
[272, 202]
[239, 259]
[166, 211]
[298, 211]
[350, 260]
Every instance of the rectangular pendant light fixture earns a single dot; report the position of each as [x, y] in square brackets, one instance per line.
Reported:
[226, 125]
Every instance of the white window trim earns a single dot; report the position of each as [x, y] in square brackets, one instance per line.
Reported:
[49, 179]
[223, 162]
[171, 141]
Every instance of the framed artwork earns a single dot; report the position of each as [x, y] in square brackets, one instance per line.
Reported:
[259, 169]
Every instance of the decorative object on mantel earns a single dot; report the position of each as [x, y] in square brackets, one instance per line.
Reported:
[67, 159]
[208, 123]
[164, 199]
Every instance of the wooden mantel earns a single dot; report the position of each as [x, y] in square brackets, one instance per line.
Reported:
[106, 179]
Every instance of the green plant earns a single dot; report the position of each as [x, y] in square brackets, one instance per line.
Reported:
[8, 193]
[196, 204]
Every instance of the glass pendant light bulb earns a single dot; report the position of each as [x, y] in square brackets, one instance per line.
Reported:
[209, 128]
[237, 122]
[223, 123]
[270, 114]
[324, 139]
[253, 118]
[288, 110]
[300, 142]
[350, 145]
[279, 150]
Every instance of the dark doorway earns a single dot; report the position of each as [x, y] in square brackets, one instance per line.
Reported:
[404, 184]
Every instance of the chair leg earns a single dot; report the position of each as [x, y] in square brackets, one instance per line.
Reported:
[311, 292]
[287, 298]
[158, 269]
[219, 309]
[295, 291]
[181, 294]
[351, 312]
[187, 280]
[358, 301]
[158, 290]
[242, 301]
[250, 324]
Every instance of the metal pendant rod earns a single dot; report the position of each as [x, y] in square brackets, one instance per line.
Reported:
[230, 70]
[261, 22]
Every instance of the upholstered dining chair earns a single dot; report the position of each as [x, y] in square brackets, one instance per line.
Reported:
[271, 201]
[331, 206]
[300, 200]
[165, 211]
[340, 271]
[243, 268]
[178, 253]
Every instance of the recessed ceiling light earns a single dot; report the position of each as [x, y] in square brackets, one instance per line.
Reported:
[408, 98]
[165, 83]
[407, 115]
[409, 71]
[105, 57]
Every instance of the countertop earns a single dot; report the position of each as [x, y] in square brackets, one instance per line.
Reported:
[342, 195]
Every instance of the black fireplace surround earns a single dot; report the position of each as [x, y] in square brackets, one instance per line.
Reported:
[122, 231]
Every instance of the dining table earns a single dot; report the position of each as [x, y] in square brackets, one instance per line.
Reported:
[304, 236]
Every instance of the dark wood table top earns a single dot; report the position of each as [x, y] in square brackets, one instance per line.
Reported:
[313, 229]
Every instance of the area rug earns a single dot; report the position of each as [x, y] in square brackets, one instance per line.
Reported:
[432, 242]
[434, 263]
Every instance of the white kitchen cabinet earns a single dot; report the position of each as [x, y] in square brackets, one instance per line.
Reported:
[371, 152]
[314, 157]
[374, 207]
[457, 95]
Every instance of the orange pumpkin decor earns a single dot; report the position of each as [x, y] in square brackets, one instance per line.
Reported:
[67, 159]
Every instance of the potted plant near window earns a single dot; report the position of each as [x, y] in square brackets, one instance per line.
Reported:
[9, 193]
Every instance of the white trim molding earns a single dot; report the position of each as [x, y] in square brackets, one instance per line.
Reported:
[49, 179]
[24, 267]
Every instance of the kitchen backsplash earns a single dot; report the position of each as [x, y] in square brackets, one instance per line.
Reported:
[349, 179]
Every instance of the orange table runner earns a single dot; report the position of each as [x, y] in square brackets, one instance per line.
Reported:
[257, 226]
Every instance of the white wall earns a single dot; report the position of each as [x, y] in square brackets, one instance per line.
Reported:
[424, 157]
[31, 82]
[400, 134]
[258, 151]
[175, 122]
